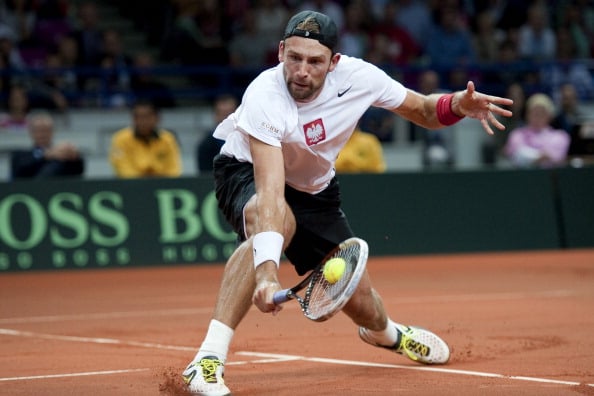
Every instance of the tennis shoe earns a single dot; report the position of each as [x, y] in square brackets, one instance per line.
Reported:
[205, 377]
[417, 344]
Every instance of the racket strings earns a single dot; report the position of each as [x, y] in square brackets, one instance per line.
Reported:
[321, 296]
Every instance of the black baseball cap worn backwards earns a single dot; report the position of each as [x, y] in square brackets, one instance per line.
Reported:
[327, 34]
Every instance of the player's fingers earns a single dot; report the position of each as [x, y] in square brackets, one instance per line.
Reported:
[470, 87]
[501, 101]
[487, 127]
[259, 300]
[496, 122]
[263, 305]
[500, 111]
[277, 309]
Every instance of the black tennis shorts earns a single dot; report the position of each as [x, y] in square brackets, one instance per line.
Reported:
[321, 223]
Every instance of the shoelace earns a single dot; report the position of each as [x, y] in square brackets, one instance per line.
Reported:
[209, 369]
[413, 348]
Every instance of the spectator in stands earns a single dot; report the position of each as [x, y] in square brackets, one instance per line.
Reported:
[363, 153]
[67, 50]
[389, 43]
[517, 93]
[487, 38]
[209, 146]
[144, 149]
[333, 8]
[415, 17]
[492, 149]
[567, 68]
[573, 17]
[53, 23]
[536, 38]
[88, 34]
[379, 122]
[354, 38]
[507, 68]
[46, 159]
[249, 47]
[270, 16]
[537, 144]
[15, 118]
[449, 43]
[570, 115]
[60, 70]
[199, 34]
[145, 84]
[20, 17]
[51, 87]
[115, 64]
[437, 143]
[9, 50]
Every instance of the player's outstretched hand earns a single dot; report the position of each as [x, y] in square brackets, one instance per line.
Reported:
[484, 108]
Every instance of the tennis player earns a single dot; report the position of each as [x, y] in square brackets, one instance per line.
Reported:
[275, 183]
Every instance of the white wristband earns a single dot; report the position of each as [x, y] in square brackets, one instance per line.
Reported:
[268, 245]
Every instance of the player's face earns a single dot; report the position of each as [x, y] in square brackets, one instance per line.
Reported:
[306, 63]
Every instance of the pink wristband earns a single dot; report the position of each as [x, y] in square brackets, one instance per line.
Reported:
[445, 115]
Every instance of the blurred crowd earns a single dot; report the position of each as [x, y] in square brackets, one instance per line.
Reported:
[59, 49]
[61, 54]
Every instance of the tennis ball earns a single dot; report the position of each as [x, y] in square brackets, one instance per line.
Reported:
[334, 269]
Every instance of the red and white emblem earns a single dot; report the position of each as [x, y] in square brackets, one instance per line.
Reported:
[314, 132]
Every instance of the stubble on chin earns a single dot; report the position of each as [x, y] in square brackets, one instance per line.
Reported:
[300, 93]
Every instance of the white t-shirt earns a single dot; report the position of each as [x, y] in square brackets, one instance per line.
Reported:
[311, 134]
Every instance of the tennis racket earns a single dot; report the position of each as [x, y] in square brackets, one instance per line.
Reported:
[319, 299]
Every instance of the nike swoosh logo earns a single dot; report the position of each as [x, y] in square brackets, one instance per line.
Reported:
[340, 93]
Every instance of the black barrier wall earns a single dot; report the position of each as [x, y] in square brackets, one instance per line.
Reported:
[115, 223]
[453, 212]
[575, 196]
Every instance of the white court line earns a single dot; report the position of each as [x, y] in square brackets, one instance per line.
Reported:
[417, 368]
[106, 315]
[92, 340]
[275, 358]
[199, 311]
[89, 373]
[487, 296]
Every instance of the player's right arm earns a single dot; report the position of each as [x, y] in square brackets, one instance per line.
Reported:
[270, 213]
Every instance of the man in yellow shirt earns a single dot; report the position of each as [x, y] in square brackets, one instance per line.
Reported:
[363, 153]
[144, 149]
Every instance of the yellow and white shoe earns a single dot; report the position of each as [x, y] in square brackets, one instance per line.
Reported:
[415, 343]
[205, 377]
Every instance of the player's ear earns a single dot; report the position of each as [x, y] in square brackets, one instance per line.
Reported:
[334, 61]
[281, 50]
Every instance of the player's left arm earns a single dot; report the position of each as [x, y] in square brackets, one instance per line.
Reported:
[439, 110]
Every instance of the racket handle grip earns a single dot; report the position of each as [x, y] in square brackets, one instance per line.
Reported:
[281, 296]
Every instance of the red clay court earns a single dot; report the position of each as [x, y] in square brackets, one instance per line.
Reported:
[518, 324]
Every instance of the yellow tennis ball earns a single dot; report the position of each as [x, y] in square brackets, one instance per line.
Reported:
[334, 269]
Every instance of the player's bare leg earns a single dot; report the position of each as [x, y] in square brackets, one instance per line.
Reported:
[204, 375]
[235, 295]
[366, 309]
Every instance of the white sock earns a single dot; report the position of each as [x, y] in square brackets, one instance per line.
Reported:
[386, 337]
[216, 342]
